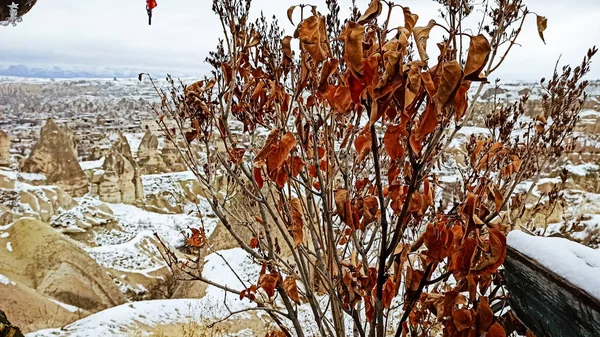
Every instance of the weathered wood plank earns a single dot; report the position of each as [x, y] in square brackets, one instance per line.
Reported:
[546, 303]
[6, 329]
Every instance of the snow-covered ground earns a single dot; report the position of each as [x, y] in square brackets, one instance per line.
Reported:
[165, 182]
[582, 169]
[22, 175]
[132, 248]
[123, 320]
[127, 318]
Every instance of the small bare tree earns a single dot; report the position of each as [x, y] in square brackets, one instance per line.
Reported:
[335, 154]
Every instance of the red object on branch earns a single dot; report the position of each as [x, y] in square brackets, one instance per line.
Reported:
[150, 4]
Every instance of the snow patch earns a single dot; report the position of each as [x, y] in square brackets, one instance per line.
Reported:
[216, 270]
[114, 321]
[91, 165]
[14, 175]
[132, 248]
[68, 307]
[582, 169]
[168, 226]
[589, 113]
[31, 176]
[135, 256]
[14, 17]
[4, 280]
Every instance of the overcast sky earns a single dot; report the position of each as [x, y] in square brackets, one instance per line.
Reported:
[115, 34]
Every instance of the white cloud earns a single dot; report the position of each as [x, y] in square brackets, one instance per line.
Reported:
[115, 33]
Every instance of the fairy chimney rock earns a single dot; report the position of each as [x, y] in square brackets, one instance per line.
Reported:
[172, 158]
[149, 159]
[119, 180]
[4, 149]
[54, 155]
[122, 146]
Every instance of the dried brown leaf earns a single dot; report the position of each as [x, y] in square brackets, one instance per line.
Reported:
[297, 166]
[291, 289]
[268, 282]
[290, 13]
[463, 319]
[479, 52]
[496, 330]
[485, 315]
[286, 45]
[297, 220]
[352, 35]
[329, 69]
[450, 81]
[461, 100]
[498, 198]
[363, 143]
[280, 152]
[371, 13]
[391, 141]
[313, 38]
[264, 152]
[410, 19]
[542, 24]
[428, 122]
[493, 258]
[421, 35]
[258, 177]
[389, 292]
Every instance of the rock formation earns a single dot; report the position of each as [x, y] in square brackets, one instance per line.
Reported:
[585, 152]
[99, 150]
[56, 266]
[119, 181]
[587, 144]
[30, 310]
[149, 159]
[173, 160]
[50, 204]
[54, 155]
[4, 149]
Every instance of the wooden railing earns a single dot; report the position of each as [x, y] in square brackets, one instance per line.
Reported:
[6, 329]
[547, 304]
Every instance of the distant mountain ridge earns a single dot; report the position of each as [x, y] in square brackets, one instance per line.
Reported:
[20, 70]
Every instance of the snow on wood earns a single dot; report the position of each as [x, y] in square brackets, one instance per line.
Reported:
[576, 263]
[553, 285]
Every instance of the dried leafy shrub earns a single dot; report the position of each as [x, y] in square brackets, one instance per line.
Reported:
[332, 140]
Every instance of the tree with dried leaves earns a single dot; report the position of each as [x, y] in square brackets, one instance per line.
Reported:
[332, 141]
